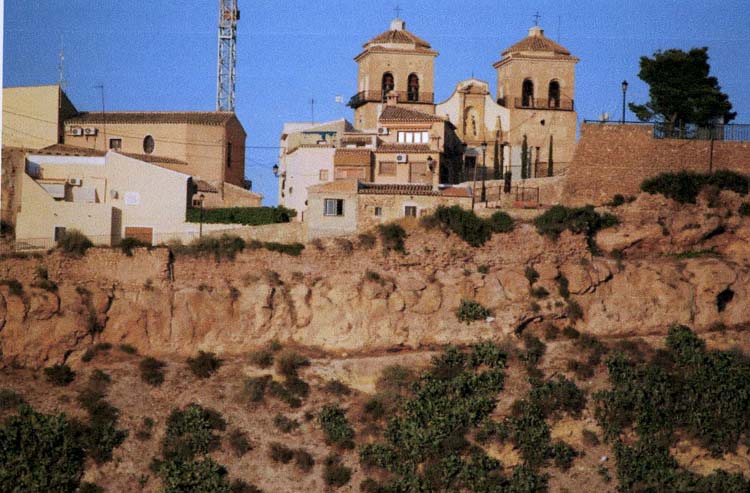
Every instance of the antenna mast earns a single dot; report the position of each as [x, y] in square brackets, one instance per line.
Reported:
[229, 14]
[61, 67]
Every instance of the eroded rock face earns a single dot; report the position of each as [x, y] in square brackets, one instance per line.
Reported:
[367, 301]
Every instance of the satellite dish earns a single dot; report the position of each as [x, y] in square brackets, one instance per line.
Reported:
[339, 98]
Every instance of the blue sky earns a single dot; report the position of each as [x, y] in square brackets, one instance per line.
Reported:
[161, 55]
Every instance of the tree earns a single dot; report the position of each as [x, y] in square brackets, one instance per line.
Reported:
[550, 163]
[39, 453]
[524, 158]
[681, 90]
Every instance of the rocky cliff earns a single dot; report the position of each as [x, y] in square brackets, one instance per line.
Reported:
[664, 263]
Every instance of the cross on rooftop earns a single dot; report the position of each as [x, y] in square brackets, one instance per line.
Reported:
[536, 18]
[398, 11]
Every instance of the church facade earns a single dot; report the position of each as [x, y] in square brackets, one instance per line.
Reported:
[400, 135]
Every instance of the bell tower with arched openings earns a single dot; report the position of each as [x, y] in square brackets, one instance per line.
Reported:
[395, 65]
[536, 82]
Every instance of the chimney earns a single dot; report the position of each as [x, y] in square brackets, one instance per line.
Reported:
[391, 99]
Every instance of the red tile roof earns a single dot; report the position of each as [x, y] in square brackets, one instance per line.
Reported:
[396, 189]
[204, 186]
[150, 158]
[68, 150]
[191, 117]
[455, 192]
[537, 43]
[398, 36]
[401, 114]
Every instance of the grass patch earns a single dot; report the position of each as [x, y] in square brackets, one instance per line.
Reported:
[470, 311]
[204, 364]
[250, 216]
[74, 243]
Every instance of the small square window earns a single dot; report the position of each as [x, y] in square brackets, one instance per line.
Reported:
[378, 211]
[333, 207]
[323, 175]
[410, 211]
[59, 232]
[115, 144]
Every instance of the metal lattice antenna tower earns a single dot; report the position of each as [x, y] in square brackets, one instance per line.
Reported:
[229, 14]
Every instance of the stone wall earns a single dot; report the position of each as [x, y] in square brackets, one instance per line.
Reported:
[613, 159]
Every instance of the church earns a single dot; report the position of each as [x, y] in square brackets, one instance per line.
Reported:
[401, 135]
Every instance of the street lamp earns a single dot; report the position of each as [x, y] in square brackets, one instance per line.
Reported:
[624, 90]
[484, 172]
[200, 228]
[275, 170]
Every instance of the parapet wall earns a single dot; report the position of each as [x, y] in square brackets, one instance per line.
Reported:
[613, 159]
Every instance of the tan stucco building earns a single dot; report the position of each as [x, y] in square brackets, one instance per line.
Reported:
[107, 196]
[33, 116]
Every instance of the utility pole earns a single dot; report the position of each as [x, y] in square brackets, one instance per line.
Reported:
[229, 14]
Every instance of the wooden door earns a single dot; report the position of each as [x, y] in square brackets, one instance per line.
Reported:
[143, 234]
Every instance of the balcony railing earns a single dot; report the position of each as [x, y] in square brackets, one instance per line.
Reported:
[729, 132]
[363, 97]
[545, 104]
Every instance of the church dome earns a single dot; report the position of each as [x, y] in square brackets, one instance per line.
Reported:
[536, 41]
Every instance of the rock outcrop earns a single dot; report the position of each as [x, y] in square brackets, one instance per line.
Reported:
[663, 264]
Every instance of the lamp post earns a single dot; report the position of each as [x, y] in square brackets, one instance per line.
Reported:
[624, 90]
[200, 227]
[275, 170]
[484, 172]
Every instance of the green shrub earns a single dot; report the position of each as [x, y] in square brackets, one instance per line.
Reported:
[561, 395]
[146, 429]
[73, 242]
[335, 426]
[468, 226]
[204, 476]
[617, 200]
[573, 311]
[59, 375]
[684, 186]
[563, 455]
[100, 436]
[190, 432]
[293, 249]
[392, 237]
[284, 424]
[39, 452]
[303, 459]
[563, 286]
[571, 332]
[501, 222]
[366, 240]
[539, 292]
[531, 274]
[240, 486]
[262, 358]
[535, 349]
[395, 379]
[128, 349]
[223, 247]
[280, 453]
[483, 269]
[375, 408]
[589, 438]
[281, 392]
[10, 399]
[239, 443]
[744, 209]
[288, 362]
[128, 244]
[204, 364]
[87, 487]
[15, 288]
[337, 387]
[254, 388]
[335, 474]
[469, 311]
[580, 220]
[152, 371]
[251, 216]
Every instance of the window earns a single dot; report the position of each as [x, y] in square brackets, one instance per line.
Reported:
[148, 144]
[229, 154]
[527, 95]
[413, 92]
[388, 84]
[323, 175]
[333, 207]
[410, 211]
[554, 95]
[378, 211]
[59, 232]
[414, 137]
[115, 144]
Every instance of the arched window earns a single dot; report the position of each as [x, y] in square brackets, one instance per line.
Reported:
[148, 144]
[413, 93]
[527, 94]
[388, 84]
[554, 94]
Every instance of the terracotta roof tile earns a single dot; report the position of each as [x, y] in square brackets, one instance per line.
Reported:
[396, 189]
[455, 192]
[537, 42]
[398, 36]
[204, 186]
[150, 158]
[191, 117]
[399, 113]
[68, 150]
[335, 186]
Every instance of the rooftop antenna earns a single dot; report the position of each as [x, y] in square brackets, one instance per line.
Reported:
[312, 110]
[61, 66]
[229, 14]
[536, 18]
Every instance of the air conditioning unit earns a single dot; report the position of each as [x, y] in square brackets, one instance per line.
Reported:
[75, 131]
[402, 158]
[382, 131]
[89, 131]
[75, 182]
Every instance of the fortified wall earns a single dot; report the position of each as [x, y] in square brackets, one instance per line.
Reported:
[613, 159]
